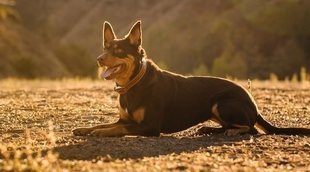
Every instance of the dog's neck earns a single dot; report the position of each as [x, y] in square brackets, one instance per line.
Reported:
[122, 89]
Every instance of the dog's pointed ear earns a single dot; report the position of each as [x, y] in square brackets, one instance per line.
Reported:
[135, 34]
[108, 34]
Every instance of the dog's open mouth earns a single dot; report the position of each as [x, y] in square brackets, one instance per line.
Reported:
[111, 71]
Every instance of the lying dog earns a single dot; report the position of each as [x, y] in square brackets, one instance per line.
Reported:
[154, 101]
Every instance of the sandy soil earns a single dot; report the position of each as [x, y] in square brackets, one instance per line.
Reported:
[30, 105]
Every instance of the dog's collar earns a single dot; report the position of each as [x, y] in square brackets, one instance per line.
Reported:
[134, 81]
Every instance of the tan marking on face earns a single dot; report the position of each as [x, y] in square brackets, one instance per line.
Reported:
[123, 113]
[118, 50]
[138, 115]
[128, 66]
[124, 77]
[109, 60]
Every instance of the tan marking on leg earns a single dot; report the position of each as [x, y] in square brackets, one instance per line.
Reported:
[138, 115]
[215, 120]
[261, 128]
[240, 126]
[216, 115]
[242, 129]
[110, 132]
[123, 114]
[87, 130]
[215, 111]
[82, 131]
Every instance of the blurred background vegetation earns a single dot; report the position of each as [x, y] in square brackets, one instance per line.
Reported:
[238, 38]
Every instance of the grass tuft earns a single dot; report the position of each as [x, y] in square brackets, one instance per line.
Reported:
[26, 158]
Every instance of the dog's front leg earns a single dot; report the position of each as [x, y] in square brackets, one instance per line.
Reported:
[84, 131]
[122, 130]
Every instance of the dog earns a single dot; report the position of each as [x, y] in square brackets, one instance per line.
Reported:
[154, 101]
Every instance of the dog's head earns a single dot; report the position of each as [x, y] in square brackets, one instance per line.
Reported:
[121, 57]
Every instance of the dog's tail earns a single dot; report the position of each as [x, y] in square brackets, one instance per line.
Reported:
[270, 129]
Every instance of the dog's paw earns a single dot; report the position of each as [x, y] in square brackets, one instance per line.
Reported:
[82, 131]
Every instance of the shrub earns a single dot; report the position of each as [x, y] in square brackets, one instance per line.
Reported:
[229, 64]
[201, 70]
[163, 65]
[14, 158]
[25, 66]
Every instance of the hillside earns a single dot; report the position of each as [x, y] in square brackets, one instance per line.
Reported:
[238, 38]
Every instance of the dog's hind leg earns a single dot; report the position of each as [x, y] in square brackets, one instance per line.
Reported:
[236, 117]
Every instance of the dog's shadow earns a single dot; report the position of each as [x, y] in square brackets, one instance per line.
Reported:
[139, 147]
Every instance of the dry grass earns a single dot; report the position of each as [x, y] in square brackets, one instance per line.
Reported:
[37, 118]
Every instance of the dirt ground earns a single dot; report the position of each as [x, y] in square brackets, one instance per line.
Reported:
[28, 106]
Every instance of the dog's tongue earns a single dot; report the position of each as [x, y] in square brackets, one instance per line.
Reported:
[109, 71]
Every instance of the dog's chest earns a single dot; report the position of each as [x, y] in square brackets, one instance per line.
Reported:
[131, 113]
[136, 116]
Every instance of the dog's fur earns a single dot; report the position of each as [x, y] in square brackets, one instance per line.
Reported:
[165, 102]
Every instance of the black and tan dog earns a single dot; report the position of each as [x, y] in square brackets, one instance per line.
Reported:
[154, 101]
